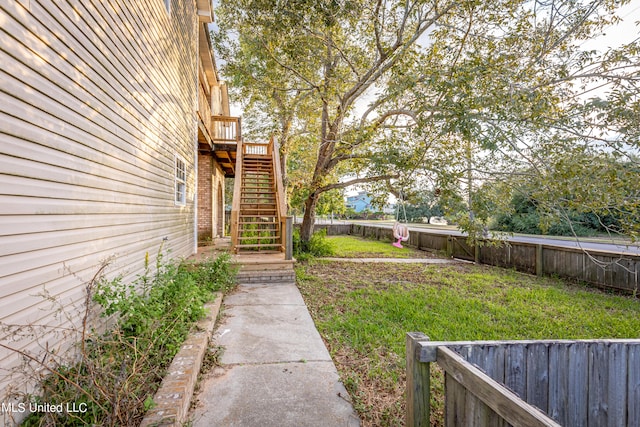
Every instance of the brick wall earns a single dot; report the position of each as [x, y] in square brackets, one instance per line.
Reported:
[205, 196]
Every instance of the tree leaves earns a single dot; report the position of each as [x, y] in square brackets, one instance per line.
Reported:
[466, 94]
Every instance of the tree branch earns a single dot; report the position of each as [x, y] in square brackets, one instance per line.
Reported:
[355, 181]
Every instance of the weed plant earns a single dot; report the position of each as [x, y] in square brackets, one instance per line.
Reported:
[118, 371]
[317, 246]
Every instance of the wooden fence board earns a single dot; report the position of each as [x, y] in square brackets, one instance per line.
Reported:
[537, 374]
[597, 396]
[578, 383]
[617, 385]
[633, 385]
[559, 383]
[455, 395]
[515, 370]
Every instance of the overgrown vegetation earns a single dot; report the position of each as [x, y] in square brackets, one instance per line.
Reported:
[317, 246]
[118, 371]
[363, 312]
[524, 215]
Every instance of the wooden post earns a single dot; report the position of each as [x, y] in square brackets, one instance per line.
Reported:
[450, 246]
[539, 265]
[418, 383]
[288, 246]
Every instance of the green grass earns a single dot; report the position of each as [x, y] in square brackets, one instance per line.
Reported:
[364, 312]
[355, 247]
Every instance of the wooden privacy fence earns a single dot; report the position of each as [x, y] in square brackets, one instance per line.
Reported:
[527, 383]
[603, 269]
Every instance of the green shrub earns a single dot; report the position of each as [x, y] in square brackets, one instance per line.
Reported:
[119, 371]
[317, 246]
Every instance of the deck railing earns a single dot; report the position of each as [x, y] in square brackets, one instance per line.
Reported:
[273, 149]
[527, 383]
[237, 194]
[225, 129]
[204, 110]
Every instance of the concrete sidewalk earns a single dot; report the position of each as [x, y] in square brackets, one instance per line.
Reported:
[276, 370]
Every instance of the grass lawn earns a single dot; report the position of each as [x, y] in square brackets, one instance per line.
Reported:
[355, 247]
[364, 310]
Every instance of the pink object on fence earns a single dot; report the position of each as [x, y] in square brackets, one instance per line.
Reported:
[400, 232]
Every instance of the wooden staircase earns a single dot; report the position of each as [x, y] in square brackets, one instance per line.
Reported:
[258, 213]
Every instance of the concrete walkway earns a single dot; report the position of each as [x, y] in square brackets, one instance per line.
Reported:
[276, 370]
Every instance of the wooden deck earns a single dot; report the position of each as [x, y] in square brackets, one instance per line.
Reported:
[247, 261]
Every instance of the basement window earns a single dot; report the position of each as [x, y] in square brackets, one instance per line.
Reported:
[181, 181]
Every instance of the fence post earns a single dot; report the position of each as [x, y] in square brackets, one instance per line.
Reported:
[449, 246]
[539, 266]
[418, 383]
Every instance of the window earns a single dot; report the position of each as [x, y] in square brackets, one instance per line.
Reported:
[181, 181]
[167, 4]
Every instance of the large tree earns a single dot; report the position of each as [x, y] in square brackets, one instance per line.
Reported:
[384, 91]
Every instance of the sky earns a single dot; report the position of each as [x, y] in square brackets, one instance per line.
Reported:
[625, 32]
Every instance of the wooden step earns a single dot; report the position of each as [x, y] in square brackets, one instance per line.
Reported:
[254, 213]
[259, 237]
[260, 245]
[258, 223]
[256, 181]
[260, 234]
[250, 207]
[257, 205]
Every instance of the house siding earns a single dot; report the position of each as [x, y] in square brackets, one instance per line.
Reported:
[96, 99]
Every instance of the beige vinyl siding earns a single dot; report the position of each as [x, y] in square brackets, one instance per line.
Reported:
[96, 99]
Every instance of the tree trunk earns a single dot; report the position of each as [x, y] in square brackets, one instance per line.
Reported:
[309, 219]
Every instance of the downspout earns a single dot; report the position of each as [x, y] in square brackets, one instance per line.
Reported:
[195, 106]
[195, 194]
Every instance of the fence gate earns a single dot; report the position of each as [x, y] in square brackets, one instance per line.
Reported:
[581, 383]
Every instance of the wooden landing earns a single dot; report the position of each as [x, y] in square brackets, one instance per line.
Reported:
[247, 261]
